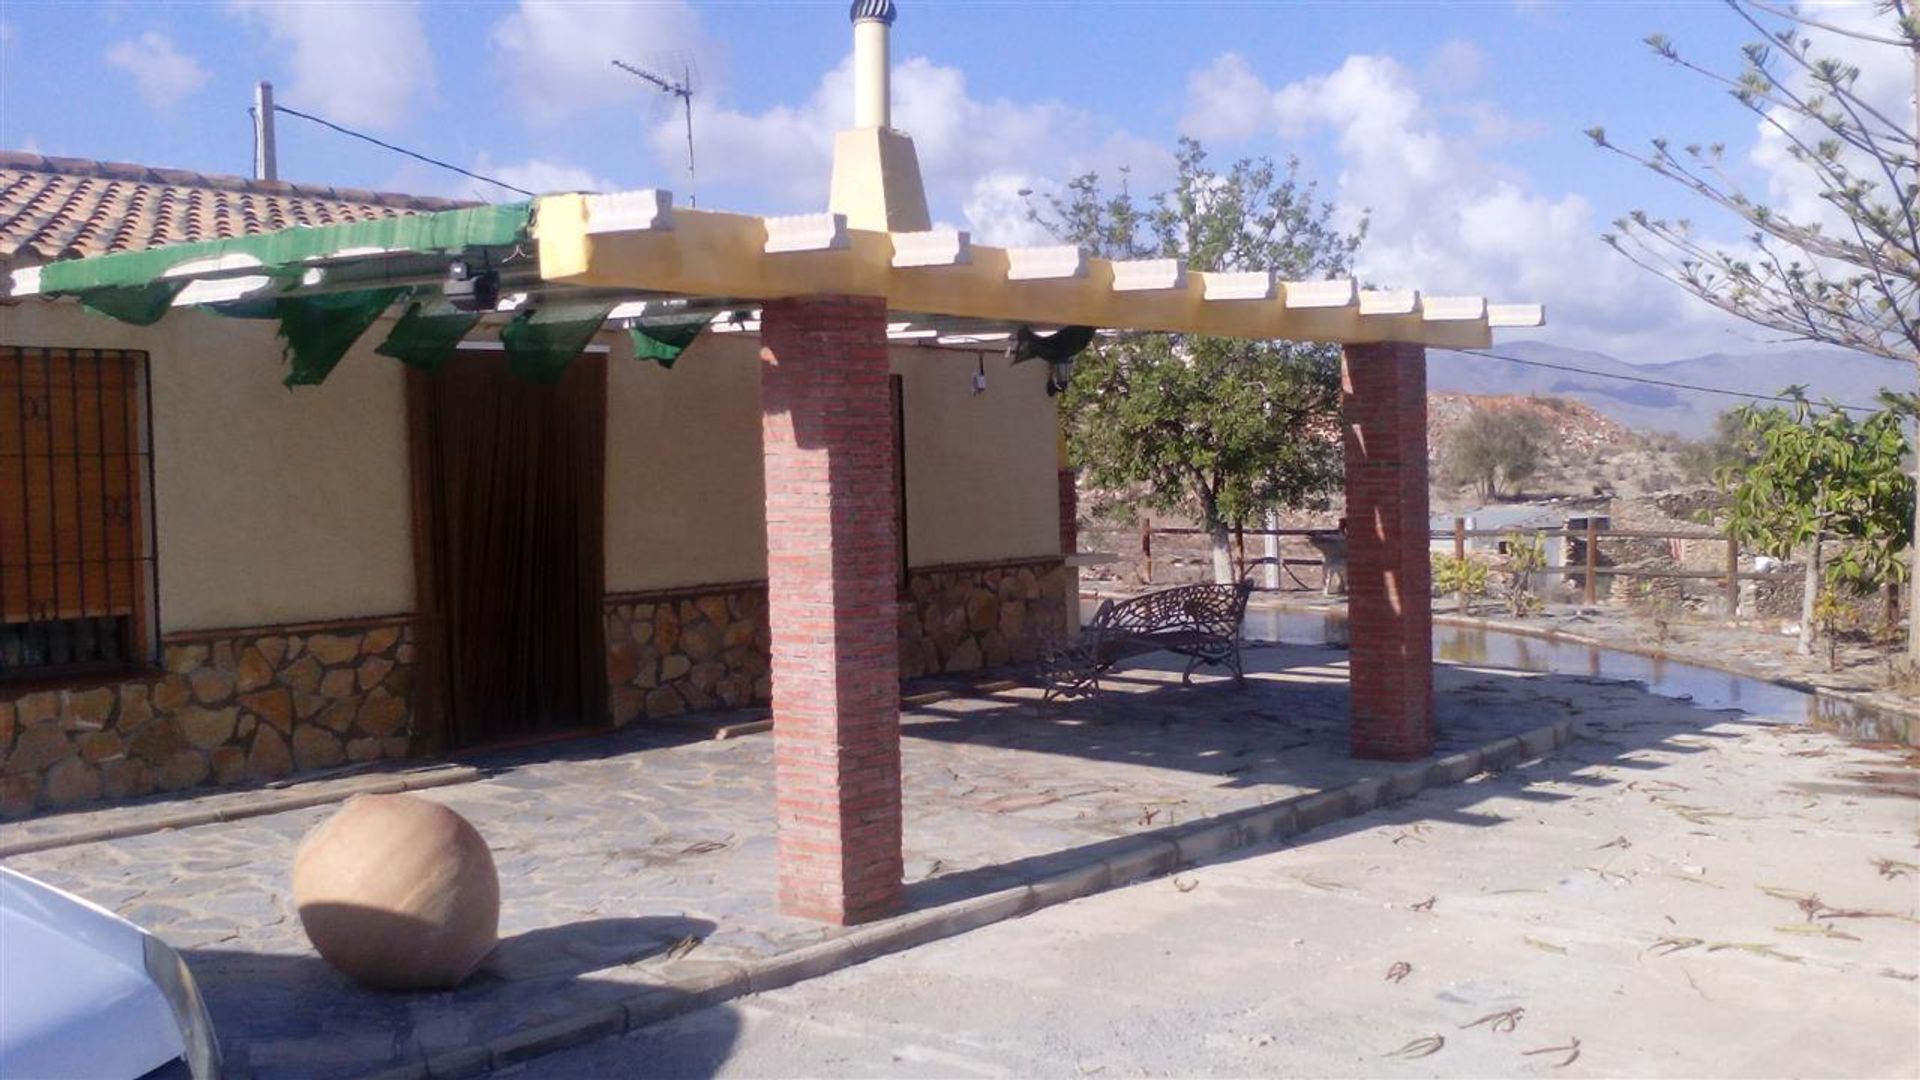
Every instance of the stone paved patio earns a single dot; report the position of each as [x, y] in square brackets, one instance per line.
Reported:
[612, 850]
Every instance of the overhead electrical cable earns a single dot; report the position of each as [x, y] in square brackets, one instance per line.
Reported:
[401, 150]
[1693, 387]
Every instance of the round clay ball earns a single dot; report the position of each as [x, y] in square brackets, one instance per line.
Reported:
[398, 892]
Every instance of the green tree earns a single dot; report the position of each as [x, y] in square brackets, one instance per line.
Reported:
[1218, 428]
[1730, 446]
[1851, 280]
[1821, 473]
[1494, 450]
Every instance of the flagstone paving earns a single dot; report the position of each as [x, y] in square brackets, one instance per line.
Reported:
[613, 850]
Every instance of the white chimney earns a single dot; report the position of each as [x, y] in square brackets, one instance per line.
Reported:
[872, 73]
[876, 174]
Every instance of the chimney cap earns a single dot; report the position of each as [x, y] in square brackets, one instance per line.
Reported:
[862, 10]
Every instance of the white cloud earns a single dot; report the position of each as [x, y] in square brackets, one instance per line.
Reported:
[360, 64]
[544, 177]
[163, 74]
[1226, 101]
[1455, 65]
[1449, 218]
[976, 154]
[560, 55]
[1886, 82]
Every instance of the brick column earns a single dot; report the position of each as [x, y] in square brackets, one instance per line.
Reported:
[832, 564]
[1383, 398]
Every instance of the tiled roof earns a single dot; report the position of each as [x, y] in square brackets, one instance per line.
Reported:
[62, 208]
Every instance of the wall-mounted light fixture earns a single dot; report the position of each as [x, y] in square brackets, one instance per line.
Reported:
[1058, 349]
[470, 290]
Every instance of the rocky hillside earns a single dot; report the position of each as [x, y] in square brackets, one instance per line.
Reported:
[1588, 453]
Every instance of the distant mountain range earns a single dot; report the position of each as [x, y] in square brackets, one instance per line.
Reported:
[1848, 378]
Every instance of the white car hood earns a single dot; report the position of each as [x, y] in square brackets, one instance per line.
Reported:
[75, 997]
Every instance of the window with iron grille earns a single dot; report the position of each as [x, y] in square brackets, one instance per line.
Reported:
[77, 568]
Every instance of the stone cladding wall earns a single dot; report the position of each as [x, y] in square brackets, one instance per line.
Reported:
[689, 650]
[249, 705]
[694, 650]
[228, 707]
[963, 618]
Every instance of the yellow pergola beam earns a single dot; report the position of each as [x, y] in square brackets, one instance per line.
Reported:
[639, 241]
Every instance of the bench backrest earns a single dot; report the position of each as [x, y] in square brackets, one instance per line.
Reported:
[1210, 609]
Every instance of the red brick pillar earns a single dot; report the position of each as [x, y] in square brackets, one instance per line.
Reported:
[1383, 398]
[832, 565]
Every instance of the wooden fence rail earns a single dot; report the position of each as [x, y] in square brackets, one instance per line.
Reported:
[1589, 569]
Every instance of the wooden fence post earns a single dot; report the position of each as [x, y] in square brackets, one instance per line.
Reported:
[1460, 556]
[1733, 575]
[1146, 549]
[1590, 588]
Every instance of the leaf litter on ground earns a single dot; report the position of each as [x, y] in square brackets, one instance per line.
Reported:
[1425, 1046]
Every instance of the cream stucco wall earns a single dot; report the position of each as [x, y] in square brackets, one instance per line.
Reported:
[272, 506]
[277, 506]
[686, 495]
[686, 503]
[982, 469]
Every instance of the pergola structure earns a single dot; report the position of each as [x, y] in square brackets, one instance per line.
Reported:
[827, 293]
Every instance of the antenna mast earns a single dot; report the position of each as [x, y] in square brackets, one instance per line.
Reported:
[684, 91]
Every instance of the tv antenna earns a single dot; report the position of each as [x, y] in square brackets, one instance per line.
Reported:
[683, 90]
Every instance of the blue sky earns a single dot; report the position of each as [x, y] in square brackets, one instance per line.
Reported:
[1458, 124]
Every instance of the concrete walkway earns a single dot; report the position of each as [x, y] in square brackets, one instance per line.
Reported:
[1734, 899]
[615, 850]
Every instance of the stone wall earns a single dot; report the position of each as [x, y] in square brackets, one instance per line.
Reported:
[694, 650]
[687, 650]
[249, 705]
[963, 618]
[230, 706]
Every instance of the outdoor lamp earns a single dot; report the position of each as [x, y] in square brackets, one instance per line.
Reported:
[470, 291]
[1058, 349]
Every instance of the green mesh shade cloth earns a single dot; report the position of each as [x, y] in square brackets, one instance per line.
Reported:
[141, 305]
[318, 330]
[541, 343]
[427, 334]
[449, 230]
[663, 340]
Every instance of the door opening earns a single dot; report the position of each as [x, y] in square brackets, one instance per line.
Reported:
[509, 491]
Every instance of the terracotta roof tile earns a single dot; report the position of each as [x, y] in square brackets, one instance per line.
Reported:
[58, 208]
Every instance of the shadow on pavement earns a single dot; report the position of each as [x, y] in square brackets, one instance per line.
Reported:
[318, 1023]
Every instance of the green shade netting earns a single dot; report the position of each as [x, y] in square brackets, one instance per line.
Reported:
[319, 330]
[448, 230]
[427, 334]
[541, 343]
[141, 305]
[663, 340]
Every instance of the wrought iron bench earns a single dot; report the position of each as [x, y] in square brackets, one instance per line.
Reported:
[1199, 622]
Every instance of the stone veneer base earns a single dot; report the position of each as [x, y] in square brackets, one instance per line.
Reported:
[250, 705]
[226, 707]
[703, 648]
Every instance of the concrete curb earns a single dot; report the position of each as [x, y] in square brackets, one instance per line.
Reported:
[187, 819]
[692, 984]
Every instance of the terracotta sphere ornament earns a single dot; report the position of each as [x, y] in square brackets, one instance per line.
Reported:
[398, 892]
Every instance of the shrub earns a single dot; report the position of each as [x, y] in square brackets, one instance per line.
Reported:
[1494, 450]
[1525, 555]
[1465, 577]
